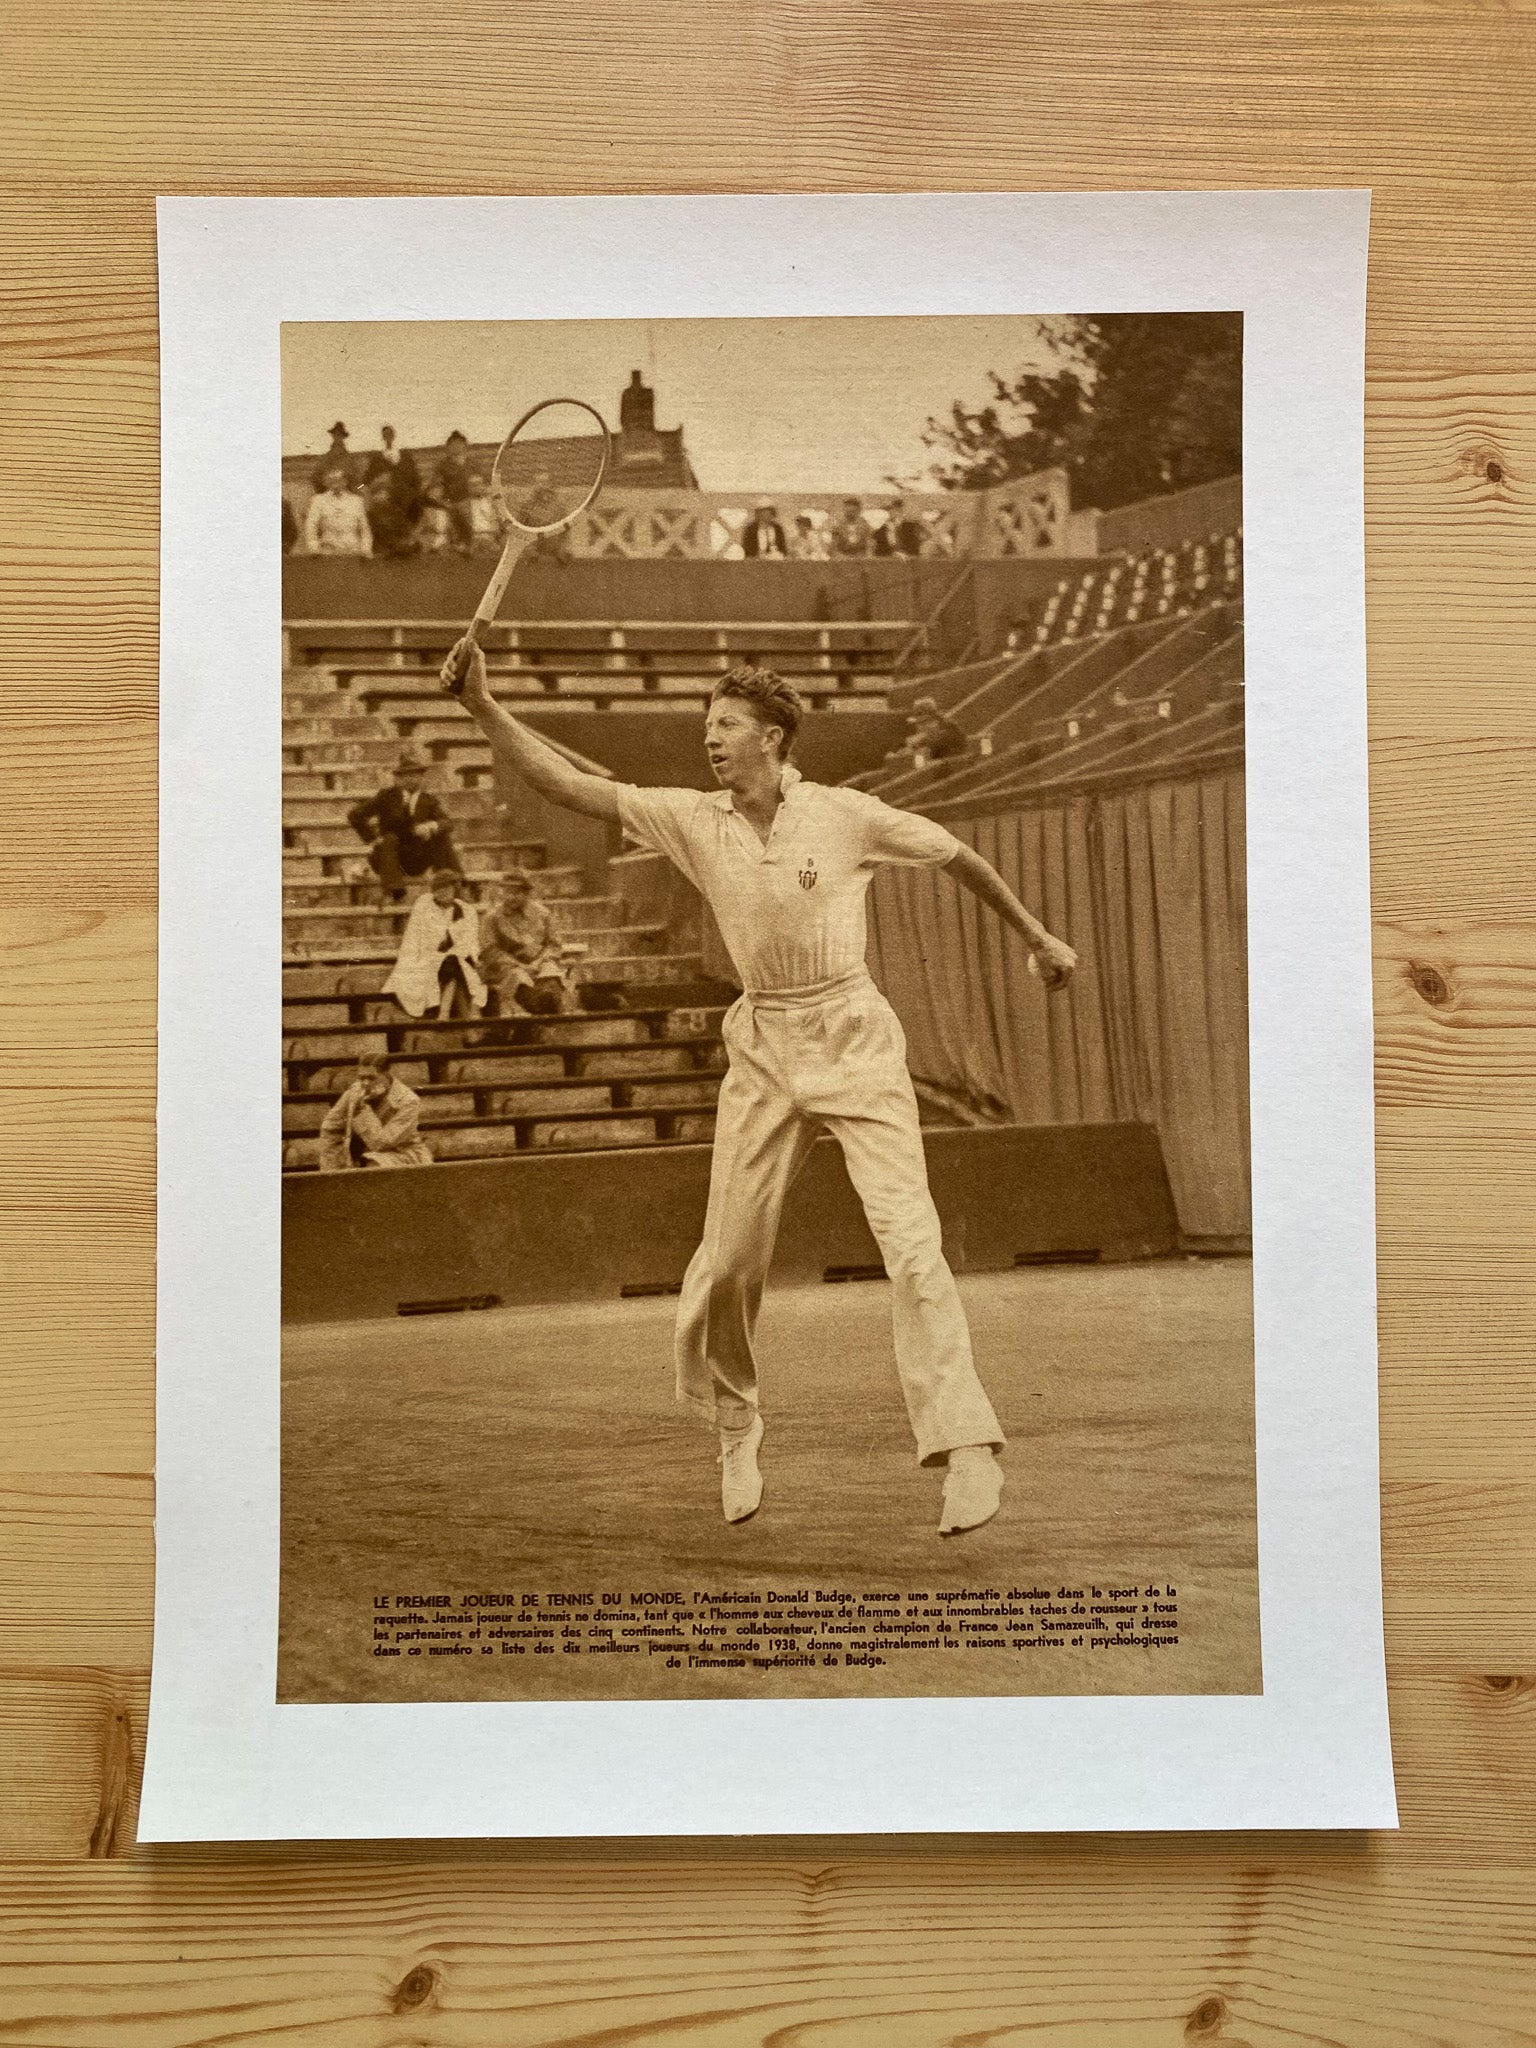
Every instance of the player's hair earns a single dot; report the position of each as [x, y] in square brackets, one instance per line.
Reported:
[767, 696]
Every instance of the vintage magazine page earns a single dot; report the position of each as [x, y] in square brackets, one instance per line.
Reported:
[780, 1234]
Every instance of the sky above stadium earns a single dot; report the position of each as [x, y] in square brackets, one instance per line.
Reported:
[766, 405]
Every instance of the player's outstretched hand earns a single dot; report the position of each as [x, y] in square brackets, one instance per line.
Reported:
[1054, 962]
[462, 675]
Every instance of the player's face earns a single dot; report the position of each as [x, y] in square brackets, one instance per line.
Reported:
[738, 744]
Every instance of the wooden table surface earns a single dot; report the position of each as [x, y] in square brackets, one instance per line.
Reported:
[1427, 1936]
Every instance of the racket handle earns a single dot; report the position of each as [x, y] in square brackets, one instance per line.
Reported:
[475, 634]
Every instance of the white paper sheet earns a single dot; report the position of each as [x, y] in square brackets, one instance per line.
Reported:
[224, 1760]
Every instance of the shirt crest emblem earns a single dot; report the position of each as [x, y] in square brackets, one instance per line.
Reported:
[808, 872]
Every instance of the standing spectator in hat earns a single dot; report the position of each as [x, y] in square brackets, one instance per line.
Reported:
[406, 828]
[456, 487]
[439, 961]
[762, 538]
[373, 1122]
[851, 532]
[524, 959]
[392, 490]
[336, 521]
[337, 456]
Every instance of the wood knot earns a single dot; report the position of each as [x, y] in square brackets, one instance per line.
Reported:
[1484, 461]
[1507, 1687]
[414, 1989]
[1430, 982]
[1206, 2017]
[116, 1771]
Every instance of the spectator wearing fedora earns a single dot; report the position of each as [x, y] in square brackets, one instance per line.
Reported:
[406, 828]
[337, 456]
[524, 958]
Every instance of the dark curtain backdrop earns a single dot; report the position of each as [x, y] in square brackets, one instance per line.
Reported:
[1148, 884]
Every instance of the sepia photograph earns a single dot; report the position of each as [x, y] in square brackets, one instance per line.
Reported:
[765, 1202]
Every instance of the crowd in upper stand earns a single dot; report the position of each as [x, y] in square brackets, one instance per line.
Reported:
[847, 533]
[387, 503]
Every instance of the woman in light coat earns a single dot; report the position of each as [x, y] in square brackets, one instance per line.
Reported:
[439, 958]
[373, 1122]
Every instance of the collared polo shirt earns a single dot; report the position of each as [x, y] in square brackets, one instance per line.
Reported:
[791, 910]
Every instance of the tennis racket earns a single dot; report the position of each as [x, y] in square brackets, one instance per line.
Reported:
[546, 473]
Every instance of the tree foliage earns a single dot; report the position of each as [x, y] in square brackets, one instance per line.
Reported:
[1138, 403]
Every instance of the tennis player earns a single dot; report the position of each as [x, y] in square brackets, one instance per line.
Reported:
[785, 866]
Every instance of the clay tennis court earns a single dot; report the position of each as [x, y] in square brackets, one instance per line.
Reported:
[538, 1449]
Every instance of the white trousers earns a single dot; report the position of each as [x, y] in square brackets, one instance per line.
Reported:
[839, 1063]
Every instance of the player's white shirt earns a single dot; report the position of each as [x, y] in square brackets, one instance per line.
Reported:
[791, 911]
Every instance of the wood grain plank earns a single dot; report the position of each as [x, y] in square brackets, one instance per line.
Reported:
[1455, 1014]
[919, 94]
[775, 1949]
[73, 1739]
[76, 1568]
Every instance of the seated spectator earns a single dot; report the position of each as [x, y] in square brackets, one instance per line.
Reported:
[808, 543]
[406, 828]
[336, 522]
[373, 1122]
[523, 957]
[762, 538]
[290, 527]
[455, 488]
[542, 507]
[337, 456]
[485, 522]
[933, 732]
[392, 492]
[439, 961]
[903, 532]
[432, 529]
[851, 533]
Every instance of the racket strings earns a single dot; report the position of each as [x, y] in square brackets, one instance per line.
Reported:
[545, 473]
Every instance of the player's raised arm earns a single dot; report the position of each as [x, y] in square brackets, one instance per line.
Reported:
[1054, 957]
[519, 746]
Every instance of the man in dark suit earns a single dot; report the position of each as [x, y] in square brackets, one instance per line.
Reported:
[406, 828]
[392, 493]
[762, 538]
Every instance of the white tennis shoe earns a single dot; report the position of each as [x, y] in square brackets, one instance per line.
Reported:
[741, 1483]
[973, 1489]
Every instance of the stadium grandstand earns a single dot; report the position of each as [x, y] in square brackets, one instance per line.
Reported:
[1093, 704]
